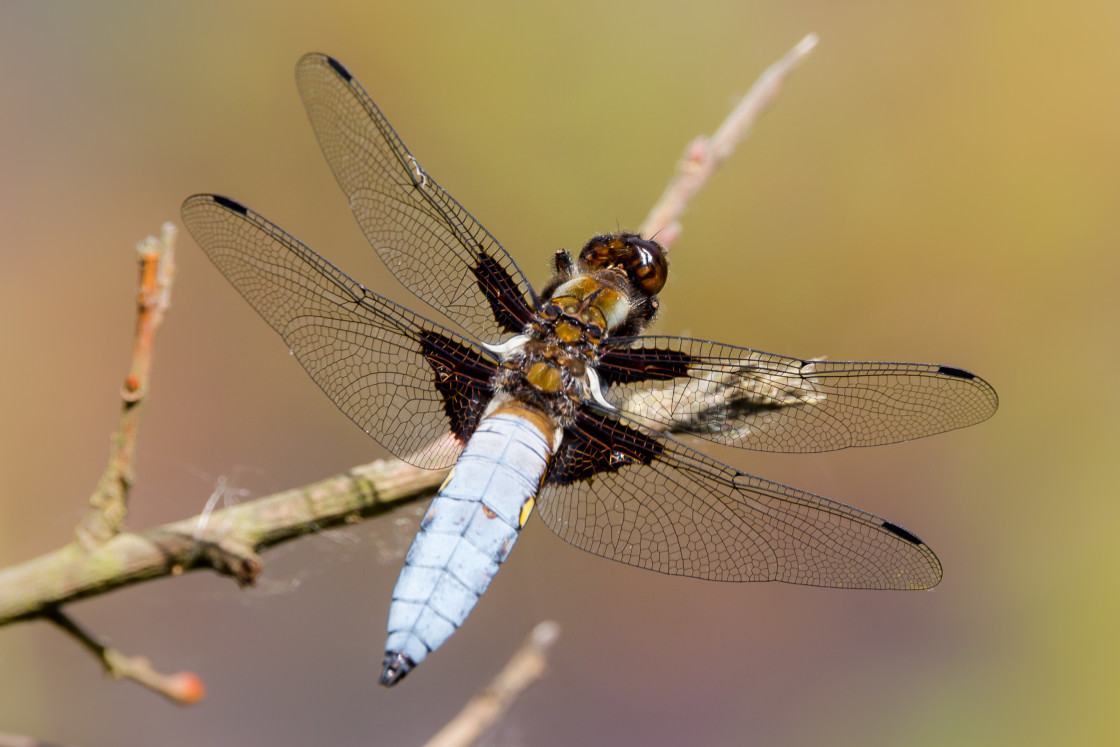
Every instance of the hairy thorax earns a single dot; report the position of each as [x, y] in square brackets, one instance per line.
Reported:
[611, 290]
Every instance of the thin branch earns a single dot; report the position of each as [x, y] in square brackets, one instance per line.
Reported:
[704, 154]
[484, 709]
[109, 502]
[184, 688]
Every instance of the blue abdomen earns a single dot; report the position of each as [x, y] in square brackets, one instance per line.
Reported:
[466, 534]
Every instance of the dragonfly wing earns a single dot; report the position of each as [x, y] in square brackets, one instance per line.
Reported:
[403, 379]
[427, 239]
[626, 493]
[766, 402]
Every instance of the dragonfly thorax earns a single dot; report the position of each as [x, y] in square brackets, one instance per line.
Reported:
[590, 301]
[550, 372]
[613, 285]
[551, 366]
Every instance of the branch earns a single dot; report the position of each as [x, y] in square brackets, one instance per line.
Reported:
[181, 687]
[489, 705]
[103, 557]
[226, 540]
[704, 154]
[109, 502]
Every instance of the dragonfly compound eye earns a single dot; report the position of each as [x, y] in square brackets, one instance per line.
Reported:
[642, 259]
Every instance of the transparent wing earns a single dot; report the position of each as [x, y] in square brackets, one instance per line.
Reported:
[404, 380]
[630, 495]
[766, 402]
[432, 245]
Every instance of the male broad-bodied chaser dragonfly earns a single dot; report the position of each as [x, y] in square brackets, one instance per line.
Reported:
[556, 400]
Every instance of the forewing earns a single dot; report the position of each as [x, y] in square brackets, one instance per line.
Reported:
[404, 380]
[766, 402]
[427, 239]
[628, 494]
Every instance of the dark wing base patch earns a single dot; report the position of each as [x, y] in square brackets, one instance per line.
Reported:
[462, 377]
[596, 444]
[511, 312]
[626, 366]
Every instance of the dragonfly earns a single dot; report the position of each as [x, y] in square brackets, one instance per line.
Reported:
[555, 400]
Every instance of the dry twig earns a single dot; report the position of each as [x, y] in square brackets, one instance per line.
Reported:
[704, 154]
[181, 687]
[109, 502]
[485, 708]
[226, 540]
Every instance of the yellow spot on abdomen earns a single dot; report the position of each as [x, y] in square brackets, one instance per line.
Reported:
[526, 509]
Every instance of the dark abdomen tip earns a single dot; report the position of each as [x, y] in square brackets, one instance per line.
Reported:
[395, 667]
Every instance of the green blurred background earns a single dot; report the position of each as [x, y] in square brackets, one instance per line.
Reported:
[939, 182]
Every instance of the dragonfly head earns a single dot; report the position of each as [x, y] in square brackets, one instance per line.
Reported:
[643, 260]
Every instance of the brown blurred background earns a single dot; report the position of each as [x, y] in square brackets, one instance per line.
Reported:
[939, 182]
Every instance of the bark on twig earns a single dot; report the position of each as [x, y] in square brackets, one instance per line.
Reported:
[226, 540]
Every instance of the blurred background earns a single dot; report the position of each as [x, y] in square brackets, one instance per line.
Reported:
[938, 183]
